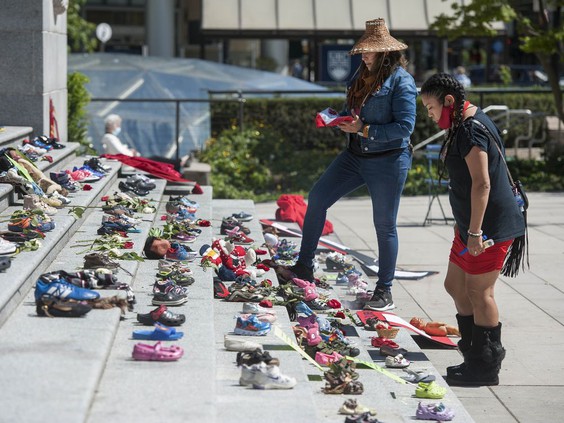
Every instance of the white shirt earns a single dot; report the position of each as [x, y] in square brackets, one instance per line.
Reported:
[112, 145]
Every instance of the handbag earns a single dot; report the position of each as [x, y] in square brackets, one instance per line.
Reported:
[516, 186]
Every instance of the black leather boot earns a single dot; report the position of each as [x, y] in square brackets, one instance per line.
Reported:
[483, 361]
[465, 324]
[303, 272]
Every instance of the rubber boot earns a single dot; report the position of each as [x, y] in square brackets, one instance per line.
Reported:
[483, 361]
[465, 324]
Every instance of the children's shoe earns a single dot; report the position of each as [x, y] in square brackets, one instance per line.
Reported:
[430, 390]
[251, 326]
[238, 344]
[7, 247]
[270, 377]
[254, 308]
[437, 412]
[177, 252]
[326, 359]
[243, 216]
[60, 290]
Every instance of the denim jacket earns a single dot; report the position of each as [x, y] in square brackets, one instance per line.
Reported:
[390, 112]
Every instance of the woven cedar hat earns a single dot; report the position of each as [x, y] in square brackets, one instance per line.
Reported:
[376, 39]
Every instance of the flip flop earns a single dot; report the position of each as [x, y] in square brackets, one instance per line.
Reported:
[160, 333]
[416, 377]
[156, 352]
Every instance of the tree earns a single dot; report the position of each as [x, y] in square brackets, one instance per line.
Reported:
[543, 36]
[80, 33]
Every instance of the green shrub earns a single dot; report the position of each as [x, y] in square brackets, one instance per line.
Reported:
[282, 143]
[77, 121]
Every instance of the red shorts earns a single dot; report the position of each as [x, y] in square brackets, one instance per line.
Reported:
[491, 259]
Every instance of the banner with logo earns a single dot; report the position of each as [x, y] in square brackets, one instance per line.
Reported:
[335, 63]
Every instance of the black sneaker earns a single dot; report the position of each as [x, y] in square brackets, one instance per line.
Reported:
[303, 272]
[381, 301]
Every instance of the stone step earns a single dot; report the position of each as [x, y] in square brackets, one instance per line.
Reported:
[65, 358]
[157, 391]
[291, 405]
[27, 266]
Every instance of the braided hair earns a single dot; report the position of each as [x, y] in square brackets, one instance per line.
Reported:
[439, 86]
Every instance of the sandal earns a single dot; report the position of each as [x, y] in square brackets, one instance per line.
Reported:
[417, 376]
[160, 333]
[335, 389]
[351, 407]
[156, 352]
[430, 390]
[354, 388]
[161, 315]
[58, 308]
[397, 362]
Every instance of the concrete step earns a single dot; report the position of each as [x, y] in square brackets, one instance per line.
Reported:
[27, 266]
[64, 358]
[155, 391]
[291, 405]
[10, 135]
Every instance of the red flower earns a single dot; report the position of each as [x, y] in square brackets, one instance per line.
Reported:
[203, 223]
[164, 217]
[266, 282]
[340, 315]
[266, 303]
[128, 245]
[105, 198]
[334, 303]
[86, 187]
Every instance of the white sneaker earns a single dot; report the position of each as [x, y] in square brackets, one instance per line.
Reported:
[33, 202]
[269, 377]
[254, 308]
[7, 247]
[238, 344]
[250, 374]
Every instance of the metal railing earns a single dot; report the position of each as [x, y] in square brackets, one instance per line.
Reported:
[241, 96]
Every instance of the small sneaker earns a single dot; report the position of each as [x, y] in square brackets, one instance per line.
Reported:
[243, 216]
[254, 308]
[7, 247]
[178, 252]
[237, 344]
[256, 357]
[249, 374]
[269, 377]
[251, 326]
[61, 290]
[261, 317]
[381, 301]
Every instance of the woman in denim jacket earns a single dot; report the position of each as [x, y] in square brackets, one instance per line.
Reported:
[381, 101]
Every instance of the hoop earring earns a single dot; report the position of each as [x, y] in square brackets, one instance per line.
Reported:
[386, 62]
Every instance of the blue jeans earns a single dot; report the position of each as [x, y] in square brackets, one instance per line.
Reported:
[384, 177]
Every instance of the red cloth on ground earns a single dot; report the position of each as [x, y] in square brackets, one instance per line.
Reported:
[159, 169]
[292, 208]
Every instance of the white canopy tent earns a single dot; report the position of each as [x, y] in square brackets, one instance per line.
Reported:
[150, 127]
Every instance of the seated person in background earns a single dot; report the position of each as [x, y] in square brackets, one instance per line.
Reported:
[460, 76]
[110, 141]
[113, 145]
